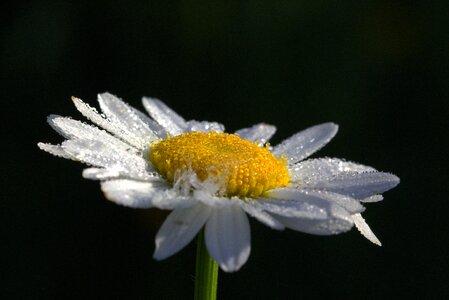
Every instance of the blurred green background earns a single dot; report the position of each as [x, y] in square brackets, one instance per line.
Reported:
[379, 69]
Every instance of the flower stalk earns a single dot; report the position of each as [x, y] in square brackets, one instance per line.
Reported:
[206, 278]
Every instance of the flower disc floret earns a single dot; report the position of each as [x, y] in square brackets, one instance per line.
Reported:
[240, 167]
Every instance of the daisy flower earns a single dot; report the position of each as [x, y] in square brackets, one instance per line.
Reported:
[213, 179]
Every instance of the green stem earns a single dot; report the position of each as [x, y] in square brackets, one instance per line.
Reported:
[206, 272]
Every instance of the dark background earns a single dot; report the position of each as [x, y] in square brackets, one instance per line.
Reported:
[378, 69]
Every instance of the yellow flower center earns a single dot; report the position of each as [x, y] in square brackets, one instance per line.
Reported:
[242, 168]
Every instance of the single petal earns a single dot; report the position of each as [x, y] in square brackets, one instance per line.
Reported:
[306, 142]
[204, 126]
[179, 229]
[56, 150]
[364, 229]
[259, 133]
[173, 123]
[113, 127]
[359, 186]
[100, 154]
[307, 201]
[371, 199]
[228, 237]
[338, 221]
[263, 217]
[73, 129]
[294, 206]
[126, 118]
[312, 170]
[115, 173]
[138, 194]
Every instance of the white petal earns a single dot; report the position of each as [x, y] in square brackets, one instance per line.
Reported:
[295, 207]
[56, 150]
[336, 219]
[126, 118]
[315, 169]
[100, 154]
[259, 133]
[306, 142]
[364, 229]
[115, 173]
[308, 201]
[228, 237]
[73, 129]
[138, 194]
[114, 128]
[374, 198]
[339, 221]
[165, 116]
[179, 229]
[100, 173]
[348, 203]
[359, 186]
[204, 126]
[260, 215]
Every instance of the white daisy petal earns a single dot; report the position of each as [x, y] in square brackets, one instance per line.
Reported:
[228, 237]
[100, 173]
[259, 133]
[311, 200]
[115, 173]
[165, 116]
[126, 118]
[338, 221]
[371, 199]
[204, 126]
[180, 227]
[359, 186]
[100, 154]
[122, 133]
[308, 208]
[364, 229]
[73, 129]
[315, 169]
[306, 142]
[138, 194]
[260, 215]
[56, 150]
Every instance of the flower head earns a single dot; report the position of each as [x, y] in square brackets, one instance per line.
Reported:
[214, 179]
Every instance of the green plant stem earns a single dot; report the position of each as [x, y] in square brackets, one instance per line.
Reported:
[206, 278]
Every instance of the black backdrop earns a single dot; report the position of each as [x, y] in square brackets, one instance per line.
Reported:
[378, 69]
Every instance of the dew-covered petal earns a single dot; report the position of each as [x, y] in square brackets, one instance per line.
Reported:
[73, 129]
[371, 199]
[126, 118]
[56, 150]
[359, 186]
[115, 128]
[173, 123]
[100, 154]
[311, 202]
[204, 126]
[258, 213]
[139, 194]
[312, 170]
[321, 215]
[228, 237]
[364, 229]
[339, 221]
[114, 173]
[306, 142]
[180, 227]
[259, 133]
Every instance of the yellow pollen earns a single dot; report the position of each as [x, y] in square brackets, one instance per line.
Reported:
[244, 168]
